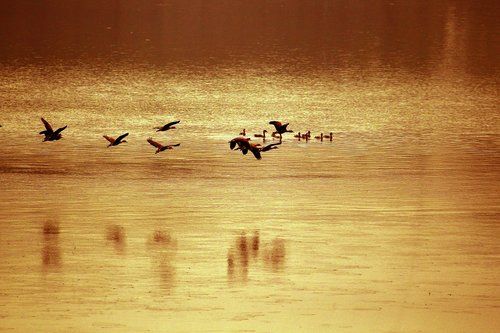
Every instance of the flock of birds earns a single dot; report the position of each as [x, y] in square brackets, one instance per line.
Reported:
[51, 135]
[241, 142]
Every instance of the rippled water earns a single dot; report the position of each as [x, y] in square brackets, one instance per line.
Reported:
[390, 227]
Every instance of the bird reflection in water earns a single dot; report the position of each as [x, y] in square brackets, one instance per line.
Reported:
[274, 255]
[51, 251]
[240, 254]
[162, 248]
[116, 234]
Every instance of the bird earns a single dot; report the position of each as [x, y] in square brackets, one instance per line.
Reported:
[167, 126]
[240, 142]
[255, 149]
[298, 135]
[280, 128]
[306, 135]
[160, 147]
[244, 145]
[263, 135]
[269, 147]
[117, 141]
[319, 137]
[328, 136]
[50, 134]
[244, 132]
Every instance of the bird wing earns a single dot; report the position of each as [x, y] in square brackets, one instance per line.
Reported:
[110, 139]
[120, 138]
[276, 124]
[154, 143]
[256, 153]
[232, 144]
[47, 126]
[172, 123]
[59, 130]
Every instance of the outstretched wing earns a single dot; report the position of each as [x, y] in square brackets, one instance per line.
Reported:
[172, 146]
[59, 130]
[120, 138]
[172, 123]
[154, 143]
[110, 139]
[256, 153]
[47, 126]
[277, 124]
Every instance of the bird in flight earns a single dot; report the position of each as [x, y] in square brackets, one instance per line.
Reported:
[117, 141]
[160, 147]
[167, 126]
[50, 134]
[280, 128]
[244, 145]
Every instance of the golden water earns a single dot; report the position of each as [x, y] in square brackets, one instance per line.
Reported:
[390, 227]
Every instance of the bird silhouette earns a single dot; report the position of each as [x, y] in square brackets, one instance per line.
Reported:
[263, 135]
[50, 134]
[328, 136]
[280, 128]
[319, 137]
[160, 147]
[167, 126]
[239, 141]
[117, 141]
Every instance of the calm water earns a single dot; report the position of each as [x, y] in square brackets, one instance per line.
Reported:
[393, 226]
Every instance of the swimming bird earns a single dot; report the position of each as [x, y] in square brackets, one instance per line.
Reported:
[319, 137]
[306, 136]
[263, 135]
[117, 141]
[280, 128]
[160, 147]
[167, 126]
[328, 136]
[50, 134]
[244, 132]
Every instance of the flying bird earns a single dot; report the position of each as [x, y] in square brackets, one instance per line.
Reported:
[280, 128]
[241, 142]
[255, 149]
[160, 147]
[117, 141]
[167, 126]
[50, 134]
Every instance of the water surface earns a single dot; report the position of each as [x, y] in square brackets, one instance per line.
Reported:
[390, 227]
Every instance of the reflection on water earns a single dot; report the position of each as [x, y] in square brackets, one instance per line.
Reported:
[243, 256]
[116, 235]
[51, 251]
[162, 248]
[389, 225]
